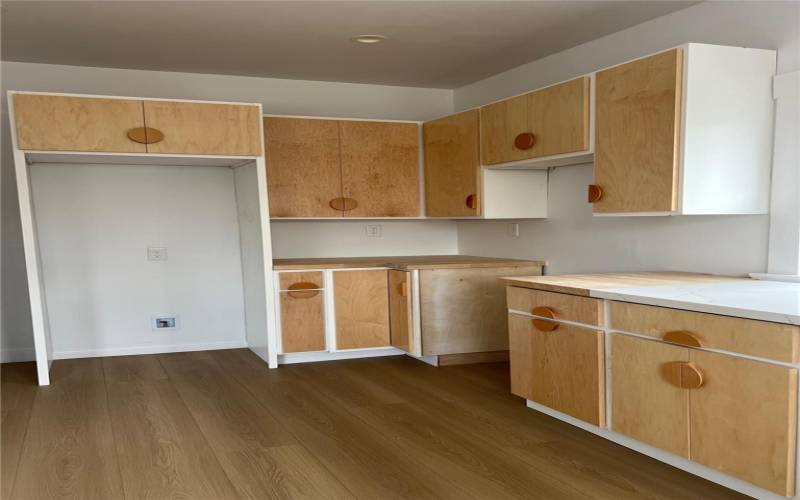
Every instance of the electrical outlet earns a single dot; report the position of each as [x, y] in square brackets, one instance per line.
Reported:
[513, 229]
[374, 230]
[165, 322]
[157, 253]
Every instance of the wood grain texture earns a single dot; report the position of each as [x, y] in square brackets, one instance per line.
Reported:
[563, 370]
[16, 402]
[62, 123]
[400, 310]
[204, 128]
[637, 134]
[302, 322]
[288, 279]
[500, 123]
[747, 336]
[361, 301]
[464, 310]
[452, 165]
[520, 348]
[744, 418]
[303, 169]
[565, 306]
[644, 406]
[380, 168]
[404, 263]
[582, 284]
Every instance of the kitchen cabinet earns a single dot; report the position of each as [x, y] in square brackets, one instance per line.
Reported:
[400, 310]
[380, 168]
[361, 299]
[560, 366]
[302, 312]
[547, 122]
[452, 166]
[67, 123]
[303, 171]
[685, 131]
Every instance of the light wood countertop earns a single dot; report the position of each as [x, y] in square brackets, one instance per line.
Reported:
[582, 284]
[403, 262]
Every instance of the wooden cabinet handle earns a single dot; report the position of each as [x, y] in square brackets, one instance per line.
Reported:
[404, 289]
[145, 135]
[682, 337]
[472, 201]
[595, 193]
[544, 325]
[343, 204]
[525, 140]
[685, 375]
[303, 290]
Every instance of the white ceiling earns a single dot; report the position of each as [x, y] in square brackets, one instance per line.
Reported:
[443, 44]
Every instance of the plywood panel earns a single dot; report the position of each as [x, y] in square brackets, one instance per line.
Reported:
[644, 405]
[559, 118]
[204, 129]
[286, 280]
[303, 170]
[400, 310]
[380, 168]
[743, 420]
[464, 310]
[500, 123]
[568, 307]
[755, 338]
[361, 300]
[452, 166]
[637, 127]
[62, 123]
[520, 347]
[302, 321]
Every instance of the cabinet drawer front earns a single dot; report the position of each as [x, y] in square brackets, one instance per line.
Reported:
[755, 338]
[204, 128]
[562, 369]
[564, 306]
[302, 321]
[64, 123]
[743, 420]
[301, 281]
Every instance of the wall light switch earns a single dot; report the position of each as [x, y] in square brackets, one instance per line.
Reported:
[374, 230]
[156, 253]
[513, 229]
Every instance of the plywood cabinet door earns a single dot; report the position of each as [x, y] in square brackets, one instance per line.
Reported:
[302, 321]
[400, 310]
[637, 127]
[204, 128]
[644, 404]
[452, 166]
[303, 171]
[743, 420]
[65, 123]
[361, 302]
[500, 123]
[520, 346]
[380, 168]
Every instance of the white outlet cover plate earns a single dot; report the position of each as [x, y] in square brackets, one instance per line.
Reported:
[157, 253]
[154, 322]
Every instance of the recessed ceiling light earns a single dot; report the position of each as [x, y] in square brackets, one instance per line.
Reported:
[368, 39]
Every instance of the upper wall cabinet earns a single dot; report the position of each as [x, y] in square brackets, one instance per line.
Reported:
[548, 122]
[342, 168]
[71, 123]
[686, 131]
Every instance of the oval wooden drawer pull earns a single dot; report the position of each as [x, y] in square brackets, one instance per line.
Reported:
[145, 135]
[595, 193]
[525, 140]
[404, 289]
[682, 337]
[682, 374]
[544, 325]
[472, 201]
[343, 204]
[303, 290]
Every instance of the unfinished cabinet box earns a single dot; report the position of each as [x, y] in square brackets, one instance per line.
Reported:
[361, 302]
[547, 122]
[685, 131]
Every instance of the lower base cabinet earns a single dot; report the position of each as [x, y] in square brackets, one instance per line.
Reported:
[562, 369]
[361, 302]
[302, 312]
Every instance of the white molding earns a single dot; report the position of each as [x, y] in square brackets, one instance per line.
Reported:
[309, 357]
[148, 349]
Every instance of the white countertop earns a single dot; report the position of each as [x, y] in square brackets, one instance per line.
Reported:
[775, 301]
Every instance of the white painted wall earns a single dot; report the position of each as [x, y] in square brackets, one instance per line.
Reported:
[571, 239]
[95, 223]
[278, 97]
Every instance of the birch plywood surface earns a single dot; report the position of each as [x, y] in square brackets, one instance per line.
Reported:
[559, 118]
[400, 310]
[501, 122]
[63, 123]
[404, 262]
[452, 165]
[582, 284]
[303, 170]
[637, 127]
[361, 300]
[302, 321]
[204, 129]
[380, 168]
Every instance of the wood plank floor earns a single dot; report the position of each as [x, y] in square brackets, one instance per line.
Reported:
[219, 425]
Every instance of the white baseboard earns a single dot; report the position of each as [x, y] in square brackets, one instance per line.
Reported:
[310, 357]
[17, 355]
[149, 349]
